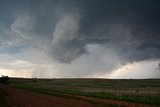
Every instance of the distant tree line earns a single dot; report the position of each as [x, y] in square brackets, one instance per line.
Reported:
[4, 79]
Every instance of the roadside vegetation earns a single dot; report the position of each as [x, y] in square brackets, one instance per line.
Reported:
[137, 91]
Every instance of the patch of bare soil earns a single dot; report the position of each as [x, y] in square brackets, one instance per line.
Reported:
[22, 98]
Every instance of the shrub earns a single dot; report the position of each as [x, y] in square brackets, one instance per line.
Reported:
[4, 79]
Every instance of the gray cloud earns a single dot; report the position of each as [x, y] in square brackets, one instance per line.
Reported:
[65, 32]
[65, 45]
[158, 66]
[132, 29]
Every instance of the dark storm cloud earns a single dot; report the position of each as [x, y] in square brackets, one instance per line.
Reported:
[131, 27]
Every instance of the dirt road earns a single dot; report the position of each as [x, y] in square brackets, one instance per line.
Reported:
[22, 98]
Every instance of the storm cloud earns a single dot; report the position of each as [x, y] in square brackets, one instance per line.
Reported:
[79, 38]
[132, 27]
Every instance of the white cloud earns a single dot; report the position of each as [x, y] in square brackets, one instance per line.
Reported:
[142, 69]
[15, 73]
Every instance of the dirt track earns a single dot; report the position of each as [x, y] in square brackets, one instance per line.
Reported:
[23, 98]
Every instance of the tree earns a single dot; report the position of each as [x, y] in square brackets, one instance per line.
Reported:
[4, 79]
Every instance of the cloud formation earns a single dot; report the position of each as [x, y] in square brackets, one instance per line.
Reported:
[65, 45]
[78, 39]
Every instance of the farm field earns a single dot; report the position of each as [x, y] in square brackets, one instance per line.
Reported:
[84, 92]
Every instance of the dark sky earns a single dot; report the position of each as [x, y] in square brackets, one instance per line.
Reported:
[73, 33]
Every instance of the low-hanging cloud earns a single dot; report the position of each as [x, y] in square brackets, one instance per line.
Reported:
[65, 45]
[79, 39]
[130, 35]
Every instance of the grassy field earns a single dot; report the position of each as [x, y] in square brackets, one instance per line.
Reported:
[145, 91]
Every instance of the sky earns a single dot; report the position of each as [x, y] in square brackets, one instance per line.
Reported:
[80, 38]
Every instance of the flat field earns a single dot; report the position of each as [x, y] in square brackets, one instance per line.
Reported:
[85, 92]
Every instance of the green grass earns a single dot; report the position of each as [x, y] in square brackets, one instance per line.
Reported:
[154, 100]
